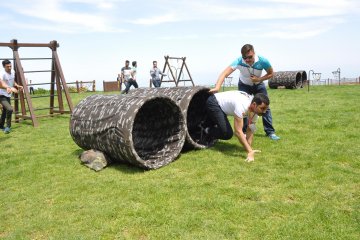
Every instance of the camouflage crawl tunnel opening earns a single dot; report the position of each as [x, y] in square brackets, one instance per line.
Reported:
[147, 131]
[192, 103]
[288, 79]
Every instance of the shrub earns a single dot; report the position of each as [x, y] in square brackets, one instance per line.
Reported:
[41, 91]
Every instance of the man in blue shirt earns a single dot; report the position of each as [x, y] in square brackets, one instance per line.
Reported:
[155, 75]
[251, 81]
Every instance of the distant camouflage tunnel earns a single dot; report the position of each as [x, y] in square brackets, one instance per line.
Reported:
[192, 103]
[288, 79]
[147, 131]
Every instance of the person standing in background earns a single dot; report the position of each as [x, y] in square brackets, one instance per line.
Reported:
[155, 75]
[125, 74]
[132, 79]
[31, 88]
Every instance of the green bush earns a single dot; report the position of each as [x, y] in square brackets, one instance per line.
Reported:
[74, 89]
[41, 91]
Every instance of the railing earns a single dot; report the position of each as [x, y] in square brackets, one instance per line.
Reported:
[82, 86]
[341, 81]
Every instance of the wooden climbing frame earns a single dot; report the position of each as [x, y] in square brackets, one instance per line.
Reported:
[57, 83]
[176, 78]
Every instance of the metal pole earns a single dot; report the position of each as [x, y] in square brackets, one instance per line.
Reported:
[309, 79]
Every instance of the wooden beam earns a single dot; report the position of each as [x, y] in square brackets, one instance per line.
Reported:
[20, 72]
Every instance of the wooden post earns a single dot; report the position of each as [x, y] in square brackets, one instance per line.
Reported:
[21, 81]
[61, 75]
[52, 86]
[59, 93]
[181, 69]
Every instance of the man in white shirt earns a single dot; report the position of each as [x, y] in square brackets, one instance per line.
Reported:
[131, 80]
[240, 105]
[3, 85]
[8, 77]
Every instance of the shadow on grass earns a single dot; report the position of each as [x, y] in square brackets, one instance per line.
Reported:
[228, 148]
[127, 168]
[3, 138]
[132, 169]
[25, 122]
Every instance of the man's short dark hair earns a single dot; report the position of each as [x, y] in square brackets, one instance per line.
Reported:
[133, 63]
[127, 61]
[154, 62]
[5, 62]
[260, 98]
[246, 48]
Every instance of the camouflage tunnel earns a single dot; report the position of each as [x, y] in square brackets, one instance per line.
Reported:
[288, 79]
[147, 131]
[192, 103]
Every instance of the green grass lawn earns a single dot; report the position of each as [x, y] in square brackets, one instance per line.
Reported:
[305, 186]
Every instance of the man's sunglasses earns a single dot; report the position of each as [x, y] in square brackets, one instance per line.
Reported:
[248, 57]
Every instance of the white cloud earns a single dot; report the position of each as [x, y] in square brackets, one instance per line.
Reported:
[293, 30]
[231, 11]
[299, 18]
[276, 30]
[294, 34]
[180, 37]
[155, 20]
[102, 4]
[70, 16]
[53, 16]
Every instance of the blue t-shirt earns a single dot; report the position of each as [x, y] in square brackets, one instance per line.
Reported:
[246, 71]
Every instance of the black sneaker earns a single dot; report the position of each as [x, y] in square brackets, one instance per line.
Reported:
[202, 130]
[204, 135]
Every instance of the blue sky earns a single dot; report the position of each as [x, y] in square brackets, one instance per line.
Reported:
[97, 36]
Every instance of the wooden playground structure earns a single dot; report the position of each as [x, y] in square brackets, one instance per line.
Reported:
[23, 101]
[176, 77]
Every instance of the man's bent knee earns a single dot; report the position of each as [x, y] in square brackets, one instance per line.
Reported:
[228, 135]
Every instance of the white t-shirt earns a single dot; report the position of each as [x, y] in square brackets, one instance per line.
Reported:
[133, 72]
[235, 103]
[9, 79]
[127, 72]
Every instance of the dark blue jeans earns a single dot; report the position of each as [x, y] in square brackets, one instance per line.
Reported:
[220, 127]
[156, 82]
[267, 118]
[129, 83]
